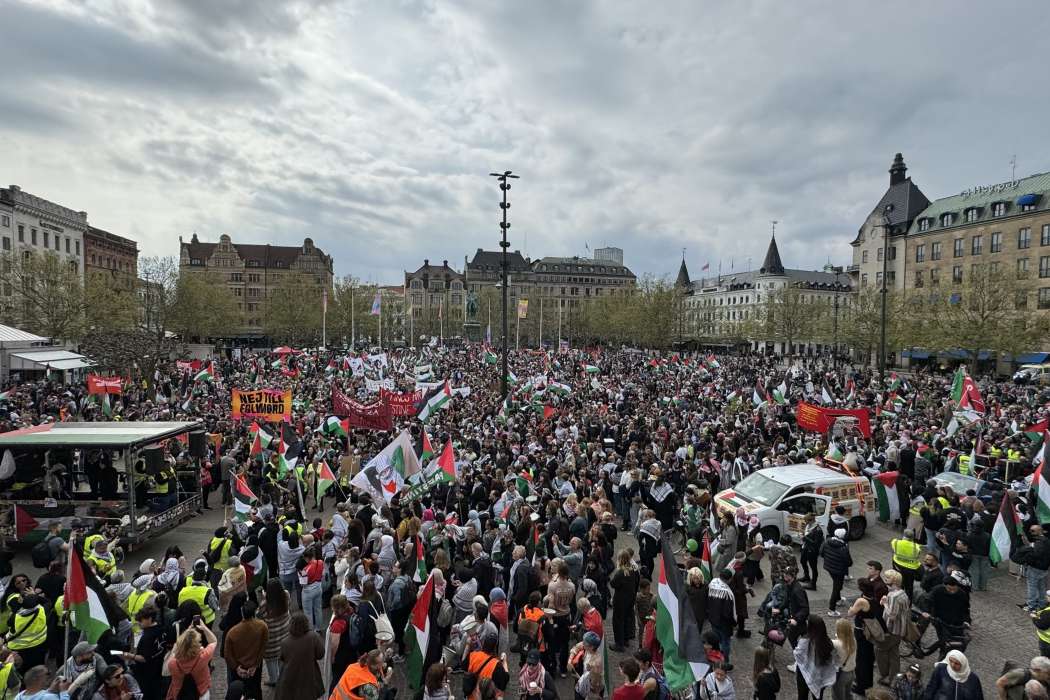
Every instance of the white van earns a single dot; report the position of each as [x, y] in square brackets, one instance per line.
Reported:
[782, 496]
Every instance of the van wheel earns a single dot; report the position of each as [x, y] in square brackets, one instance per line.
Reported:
[857, 527]
[770, 532]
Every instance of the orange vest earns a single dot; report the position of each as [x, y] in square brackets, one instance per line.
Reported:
[482, 665]
[355, 676]
[536, 615]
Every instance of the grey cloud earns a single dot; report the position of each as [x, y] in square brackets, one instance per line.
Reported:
[20, 115]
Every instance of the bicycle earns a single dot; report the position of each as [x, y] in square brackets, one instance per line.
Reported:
[955, 638]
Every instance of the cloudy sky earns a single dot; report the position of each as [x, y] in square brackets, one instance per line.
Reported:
[371, 126]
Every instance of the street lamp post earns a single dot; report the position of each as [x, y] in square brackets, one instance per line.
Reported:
[504, 205]
[836, 270]
[885, 269]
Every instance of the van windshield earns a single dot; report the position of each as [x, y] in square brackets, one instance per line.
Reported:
[761, 488]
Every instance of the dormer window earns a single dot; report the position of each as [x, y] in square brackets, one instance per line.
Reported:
[970, 215]
[924, 224]
[999, 209]
[947, 218]
[252, 263]
[197, 262]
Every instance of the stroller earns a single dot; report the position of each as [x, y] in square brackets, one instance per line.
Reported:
[774, 629]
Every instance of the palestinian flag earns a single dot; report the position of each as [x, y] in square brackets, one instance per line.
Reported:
[243, 498]
[288, 450]
[426, 450]
[1040, 489]
[417, 636]
[886, 492]
[523, 482]
[834, 453]
[24, 523]
[780, 393]
[91, 610]
[334, 426]
[332, 367]
[591, 369]
[447, 463]
[758, 395]
[560, 389]
[325, 478]
[705, 558]
[421, 561]
[896, 383]
[490, 357]
[732, 396]
[826, 396]
[107, 407]
[434, 401]
[506, 409]
[1036, 431]
[851, 390]
[712, 362]
[207, 373]
[511, 377]
[260, 440]
[676, 627]
[6, 395]
[957, 385]
[1006, 532]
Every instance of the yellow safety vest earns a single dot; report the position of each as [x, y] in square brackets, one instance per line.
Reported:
[31, 634]
[89, 543]
[1044, 635]
[906, 554]
[964, 465]
[60, 611]
[223, 562]
[136, 601]
[198, 593]
[104, 567]
[945, 503]
[5, 679]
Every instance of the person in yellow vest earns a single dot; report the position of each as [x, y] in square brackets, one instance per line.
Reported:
[1041, 620]
[907, 558]
[164, 489]
[222, 543]
[57, 635]
[9, 678]
[18, 587]
[102, 560]
[363, 679]
[28, 635]
[198, 590]
[141, 596]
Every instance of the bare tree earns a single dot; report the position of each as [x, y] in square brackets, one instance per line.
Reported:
[43, 294]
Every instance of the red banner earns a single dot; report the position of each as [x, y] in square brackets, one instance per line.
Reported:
[818, 419]
[97, 384]
[400, 404]
[372, 416]
[183, 366]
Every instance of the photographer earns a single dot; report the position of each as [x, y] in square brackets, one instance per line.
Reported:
[190, 661]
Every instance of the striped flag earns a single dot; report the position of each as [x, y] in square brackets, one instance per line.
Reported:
[417, 636]
[434, 401]
[676, 627]
[421, 563]
[1040, 488]
[705, 558]
[325, 478]
[886, 492]
[1005, 533]
[243, 499]
[91, 609]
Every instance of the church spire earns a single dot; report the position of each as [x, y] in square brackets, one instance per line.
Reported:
[683, 275]
[772, 264]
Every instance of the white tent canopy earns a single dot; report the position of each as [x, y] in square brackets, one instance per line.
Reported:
[42, 359]
[9, 334]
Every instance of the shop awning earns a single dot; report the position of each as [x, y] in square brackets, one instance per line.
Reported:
[965, 355]
[1027, 200]
[916, 354]
[1031, 358]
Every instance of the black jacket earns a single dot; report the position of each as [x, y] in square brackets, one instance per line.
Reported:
[1040, 557]
[797, 604]
[812, 541]
[837, 559]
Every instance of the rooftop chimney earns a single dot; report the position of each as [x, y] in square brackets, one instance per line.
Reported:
[426, 263]
[444, 263]
[897, 170]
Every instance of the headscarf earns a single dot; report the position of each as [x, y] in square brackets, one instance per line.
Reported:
[957, 676]
[171, 574]
[387, 554]
[530, 673]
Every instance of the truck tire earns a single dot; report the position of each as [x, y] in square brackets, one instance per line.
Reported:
[857, 527]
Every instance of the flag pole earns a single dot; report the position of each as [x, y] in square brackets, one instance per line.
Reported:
[541, 324]
[353, 328]
[73, 544]
[324, 317]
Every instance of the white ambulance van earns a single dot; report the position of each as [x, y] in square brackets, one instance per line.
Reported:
[782, 496]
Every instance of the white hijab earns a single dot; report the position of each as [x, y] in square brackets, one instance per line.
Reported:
[958, 656]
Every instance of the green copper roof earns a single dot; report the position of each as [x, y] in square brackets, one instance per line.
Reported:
[116, 435]
[983, 197]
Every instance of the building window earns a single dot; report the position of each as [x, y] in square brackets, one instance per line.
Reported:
[935, 277]
[878, 280]
[998, 208]
[920, 253]
[1044, 298]
[67, 246]
[918, 278]
[1024, 238]
[1044, 266]
[957, 251]
[997, 242]
[47, 239]
[1044, 236]
[947, 219]
[77, 246]
[196, 262]
[7, 243]
[878, 255]
[1021, 299]
[21, 233]
[863, 282]
[1022, 268]
[970, 215]
[975, 245]
[935, 250]
[864, 257]
[993, 268]
[32, 236]
[5, 221]
[1027, 207]
[957, 274]
[924, 224]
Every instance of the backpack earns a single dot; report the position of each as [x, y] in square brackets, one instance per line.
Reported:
[662, 692]
[470, 680]
[41, 553]
[358, 627]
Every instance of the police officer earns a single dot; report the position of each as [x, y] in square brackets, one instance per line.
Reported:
[907, 558]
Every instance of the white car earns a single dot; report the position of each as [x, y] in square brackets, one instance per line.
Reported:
[782, 496]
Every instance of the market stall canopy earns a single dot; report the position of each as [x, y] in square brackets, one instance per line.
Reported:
[55, 359]
[9, 334]
[116, 435]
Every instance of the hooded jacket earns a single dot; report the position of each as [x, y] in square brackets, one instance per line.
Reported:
[837, 559]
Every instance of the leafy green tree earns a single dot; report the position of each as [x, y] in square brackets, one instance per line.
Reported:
[293, 312]
[42, 294]
[203, 307]
[110, 305]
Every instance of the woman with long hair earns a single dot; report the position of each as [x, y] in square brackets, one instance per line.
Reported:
[624, 583]
[435, 686]
[896, 612]
[189, 661]
[301, 652]
[815, 663]
[764, 675]
[846, 657]
[864, 608]
[274, 613]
